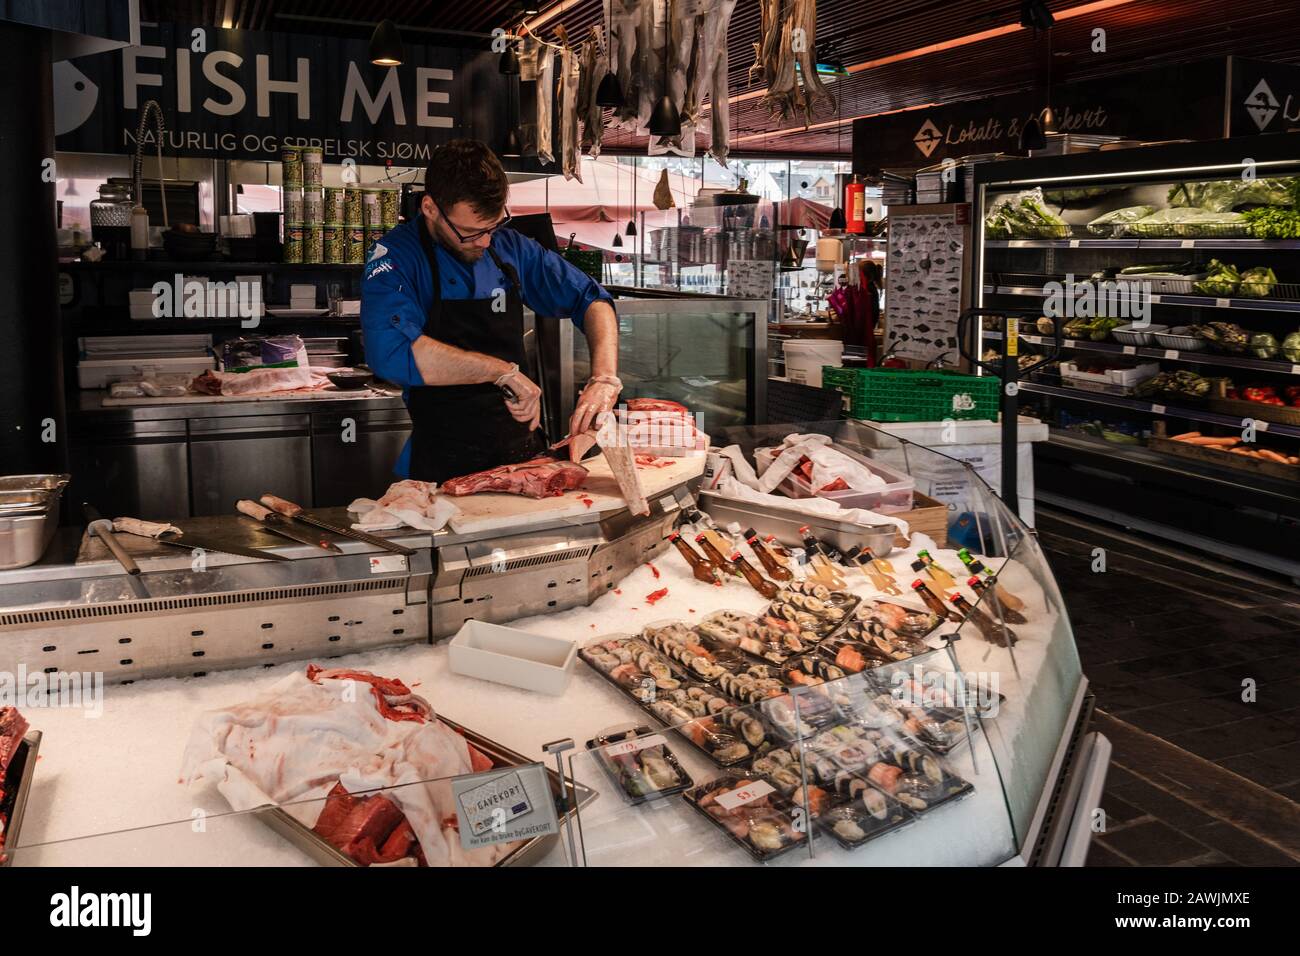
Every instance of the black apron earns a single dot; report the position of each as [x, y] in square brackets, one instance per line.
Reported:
[461, 429]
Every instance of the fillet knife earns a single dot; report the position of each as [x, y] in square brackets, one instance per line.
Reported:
[287, 509]
[283, 526]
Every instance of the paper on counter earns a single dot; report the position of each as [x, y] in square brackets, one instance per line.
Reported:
[822, 507]
[146, 529]
[409, 503]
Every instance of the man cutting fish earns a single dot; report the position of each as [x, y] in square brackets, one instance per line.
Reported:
[442, 309]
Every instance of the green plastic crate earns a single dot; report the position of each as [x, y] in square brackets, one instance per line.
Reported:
[908, 395]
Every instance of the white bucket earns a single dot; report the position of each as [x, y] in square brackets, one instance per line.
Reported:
[804, 359]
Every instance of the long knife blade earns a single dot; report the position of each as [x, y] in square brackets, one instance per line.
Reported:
[291, 510]
[283, 526]
[190, 544]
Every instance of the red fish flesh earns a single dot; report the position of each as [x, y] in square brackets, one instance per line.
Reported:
[539, 478]
[13, 727]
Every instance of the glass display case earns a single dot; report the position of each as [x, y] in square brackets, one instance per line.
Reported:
[868, 730]
[1174, 273]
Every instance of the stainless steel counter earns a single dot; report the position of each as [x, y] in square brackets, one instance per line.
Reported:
[90, 403]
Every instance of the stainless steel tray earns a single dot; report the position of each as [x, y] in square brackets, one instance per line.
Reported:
[785, 525]
[27, 752]
[529, 852]
[33, 482]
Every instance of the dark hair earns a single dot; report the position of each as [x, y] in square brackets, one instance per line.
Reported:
[465, 170]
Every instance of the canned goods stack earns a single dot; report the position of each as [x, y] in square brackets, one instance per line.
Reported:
[313, 158]
[334, 204]
[313, 236]
[353, 233]
[389, 203]
[291, 191]
[372, 215]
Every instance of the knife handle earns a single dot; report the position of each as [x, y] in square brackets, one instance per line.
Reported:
[281, 506]
[253, 510]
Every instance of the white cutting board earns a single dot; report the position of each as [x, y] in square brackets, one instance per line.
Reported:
[491, 511]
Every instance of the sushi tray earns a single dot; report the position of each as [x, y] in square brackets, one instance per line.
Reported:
[18, 786]
[752, 812]
[843, 805]
[713, 724]
[691, 651]
[765, 640]
[523, 852]
[813, 609]
[640, 764]
[939, 729]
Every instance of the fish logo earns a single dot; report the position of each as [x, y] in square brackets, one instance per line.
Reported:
[378, 252]
[1261, 104]
[927, 138]
[75, 97]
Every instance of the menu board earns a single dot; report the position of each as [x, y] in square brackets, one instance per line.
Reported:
[925, 280]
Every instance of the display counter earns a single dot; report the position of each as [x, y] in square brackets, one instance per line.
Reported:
[1009, 777]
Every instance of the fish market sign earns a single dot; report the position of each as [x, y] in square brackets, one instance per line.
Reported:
[1265, 97]
[239, 94]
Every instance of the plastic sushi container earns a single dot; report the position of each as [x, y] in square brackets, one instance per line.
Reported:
[833, 612]
[800, 714]
[631, 665]
[683, 644]
[639, 763]
[757, 639]
[752, 812]
[728, 735]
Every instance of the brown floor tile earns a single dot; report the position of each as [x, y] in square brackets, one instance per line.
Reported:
[1241, 846]
[1099, 855]
[1153, 844]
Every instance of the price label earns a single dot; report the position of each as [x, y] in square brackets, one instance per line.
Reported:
[625, 747]
[1261, 426]
[1155, 299]
[387, 563]
[1187, 244]
[1158, 409]
[754, 790]
[1171, 353]
[1067, 343]
[1222, 303]
[1074, 243]
[1295, 369]
[1130, 350]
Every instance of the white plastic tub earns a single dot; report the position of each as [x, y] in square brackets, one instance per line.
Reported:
[506, 655]
[804, 359]
[1115, 381]
[893, 497]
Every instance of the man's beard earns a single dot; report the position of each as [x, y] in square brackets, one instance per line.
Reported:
[466, 254]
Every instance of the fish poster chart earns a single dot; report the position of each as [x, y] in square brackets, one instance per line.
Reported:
[924, 288]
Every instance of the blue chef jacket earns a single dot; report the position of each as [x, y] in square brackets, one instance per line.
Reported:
[397, 293]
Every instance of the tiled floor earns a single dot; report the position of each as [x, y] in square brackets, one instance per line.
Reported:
[1173, 651]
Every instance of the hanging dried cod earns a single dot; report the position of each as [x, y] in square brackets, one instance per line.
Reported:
[789, 38]
[569, 79]
[595, 64]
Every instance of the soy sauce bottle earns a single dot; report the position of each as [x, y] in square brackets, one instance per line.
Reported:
[941, 577]
[1005, 597]
[756, 581]
[714, 555]
[934, 603]
[701, 567]
[774, 568]
[992, 632]
[812, 542]
[981, 588]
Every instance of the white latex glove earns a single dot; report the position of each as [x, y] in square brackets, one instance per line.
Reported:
[597, 398]
[527, 406]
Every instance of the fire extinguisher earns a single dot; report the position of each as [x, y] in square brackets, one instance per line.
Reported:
[855, 207]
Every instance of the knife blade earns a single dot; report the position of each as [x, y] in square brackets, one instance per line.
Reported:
[290, 510]
[190, 544]
[283, 526]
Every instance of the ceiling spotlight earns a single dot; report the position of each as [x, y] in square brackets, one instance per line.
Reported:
[386, 45]
[1034, 15]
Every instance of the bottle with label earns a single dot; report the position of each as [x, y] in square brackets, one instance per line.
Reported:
[701, 567]
[1005, 597]
[831, 552]
[819, 566]
[701, 523]
[982, 588]
[756, 581]
[714, 555]
[992, 631]
[941, 577]
[935, 603]
[774, 568]
[920, 567]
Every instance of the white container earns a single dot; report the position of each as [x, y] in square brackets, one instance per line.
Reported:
[1114, 381]
[804, 359]
[139, 366]
[505, 655]
[894, 496]
[302, 290]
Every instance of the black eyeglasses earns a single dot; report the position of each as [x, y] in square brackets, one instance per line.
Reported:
[474, 236]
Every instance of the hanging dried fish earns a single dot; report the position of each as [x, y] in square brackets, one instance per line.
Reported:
[569, 77]
[714, 55]
[595, 64]
[545, 98]
[789, 38]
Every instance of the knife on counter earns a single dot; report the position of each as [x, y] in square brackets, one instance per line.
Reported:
[288, 510]
[154, 531]
[281, 525]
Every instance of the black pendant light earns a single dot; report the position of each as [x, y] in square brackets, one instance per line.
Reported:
[1031, 137]
[665, 120]
[508, 65]
[386, 45]
[618, 241]
[512, 148]
[631, 219]
[837, 220]
[609, 92]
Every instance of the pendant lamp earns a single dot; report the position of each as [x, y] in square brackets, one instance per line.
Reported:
[618, 241]
[838, 220]
[386, 45]
[665, 120]
[609, 92]
[631, 219]
[509, 62]
[1031, 137]
[512, 149]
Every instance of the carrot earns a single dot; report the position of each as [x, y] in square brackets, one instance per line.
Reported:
[1242, 451]
[1186, 435]
[1292, 460]
[1211, 440]
[1272, 456]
